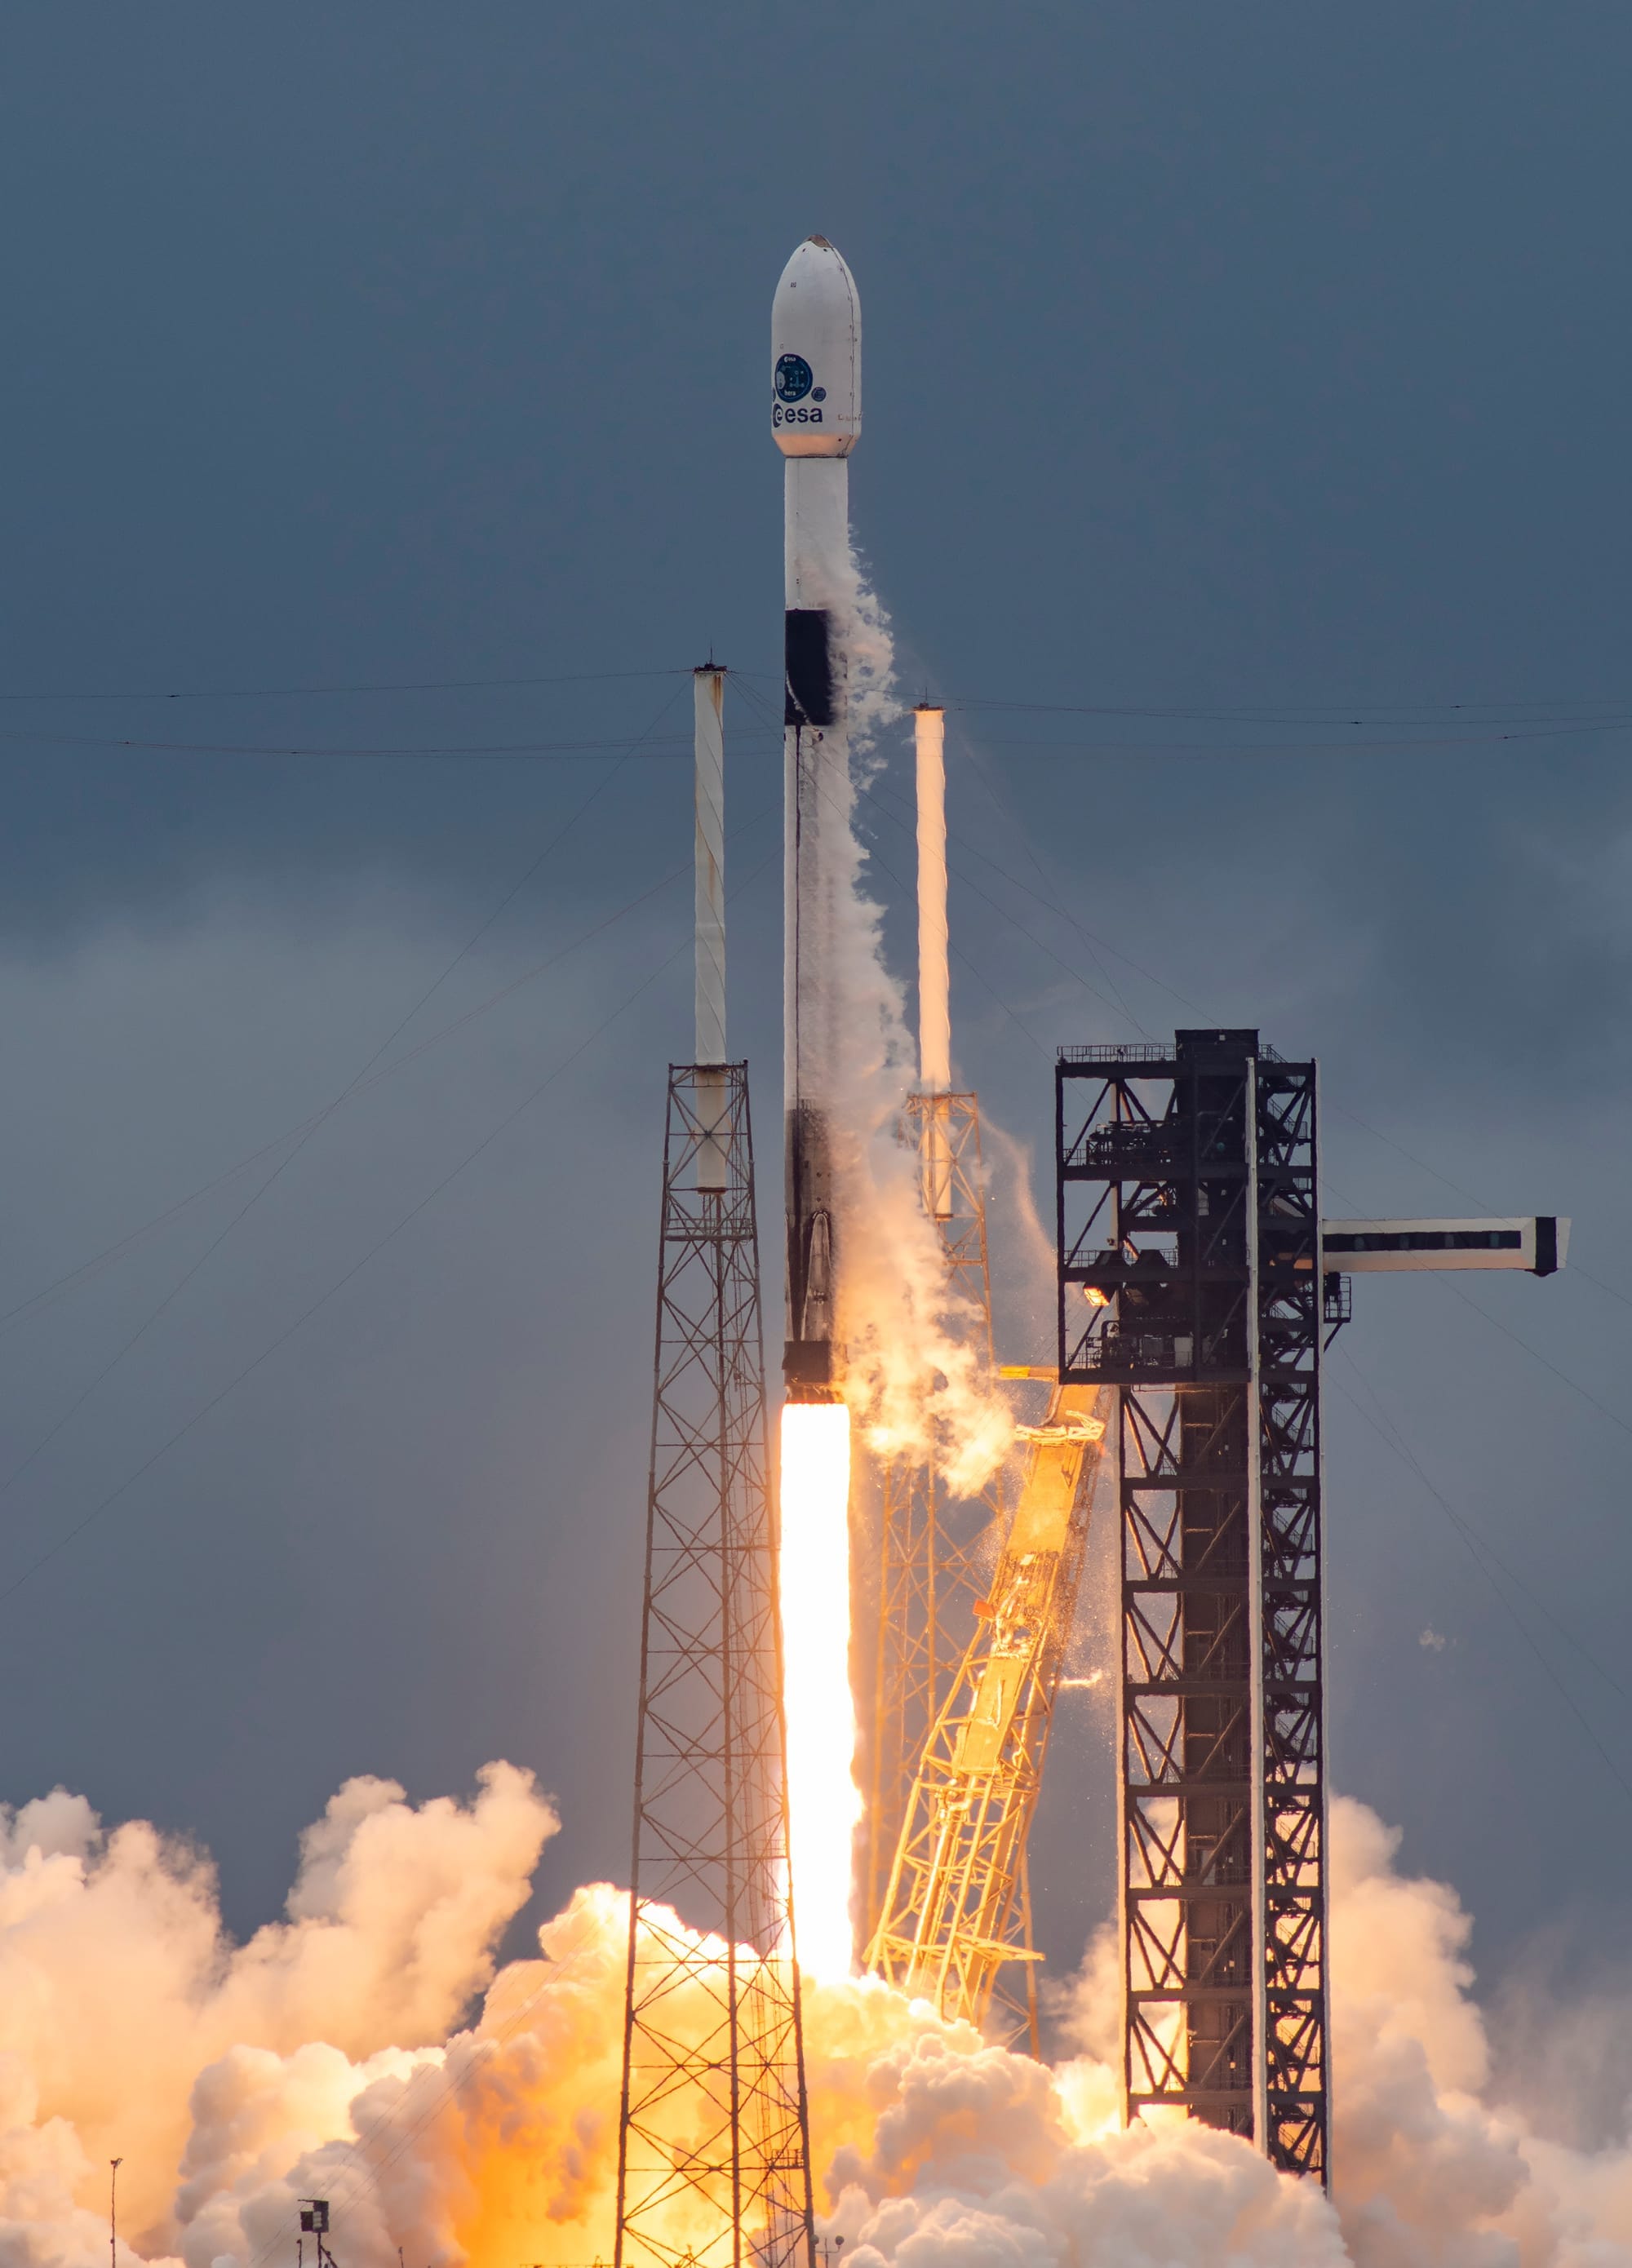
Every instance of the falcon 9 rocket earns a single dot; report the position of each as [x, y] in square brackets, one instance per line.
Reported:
[815, 416]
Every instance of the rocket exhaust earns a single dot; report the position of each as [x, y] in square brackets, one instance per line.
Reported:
[815, 417]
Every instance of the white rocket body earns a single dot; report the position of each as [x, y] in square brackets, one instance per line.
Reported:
[815, 417]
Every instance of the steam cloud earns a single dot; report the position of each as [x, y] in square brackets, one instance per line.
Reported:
[316, 2059]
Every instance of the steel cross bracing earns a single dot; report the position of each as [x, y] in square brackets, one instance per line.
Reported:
[713, 2146]
[930, 1545]
[957, 1915]
[1191, 1281]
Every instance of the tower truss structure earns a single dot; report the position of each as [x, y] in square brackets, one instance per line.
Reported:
[713, 2146]
[929, 1576]
[1191, 1284]
[956, 1912]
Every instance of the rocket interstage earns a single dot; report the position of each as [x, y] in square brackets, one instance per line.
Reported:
[815, 416]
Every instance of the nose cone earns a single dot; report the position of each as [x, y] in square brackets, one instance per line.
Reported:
[816, 355]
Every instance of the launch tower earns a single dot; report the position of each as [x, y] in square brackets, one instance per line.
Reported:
[1199, 1283]
[1191, 1282]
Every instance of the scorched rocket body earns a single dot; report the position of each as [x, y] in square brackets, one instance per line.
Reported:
[815, 416]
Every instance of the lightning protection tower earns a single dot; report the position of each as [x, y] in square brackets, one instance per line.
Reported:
[929, 1560]
[713, 2144]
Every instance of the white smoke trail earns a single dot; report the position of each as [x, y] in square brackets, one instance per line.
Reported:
[915, 1378]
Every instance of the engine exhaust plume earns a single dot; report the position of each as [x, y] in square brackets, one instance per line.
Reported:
[824, 1804]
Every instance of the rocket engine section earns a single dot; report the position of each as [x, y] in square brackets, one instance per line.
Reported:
[815, 417]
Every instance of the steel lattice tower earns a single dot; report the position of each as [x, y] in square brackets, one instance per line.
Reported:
[1191, 1280]
[956, 1920]
[714, 2150]
[928, 1579]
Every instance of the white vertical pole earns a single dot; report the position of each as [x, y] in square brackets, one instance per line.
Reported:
[708, 703]
[935, 1018]
[934, 1014]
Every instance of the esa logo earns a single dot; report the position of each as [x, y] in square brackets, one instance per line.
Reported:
[793, 375]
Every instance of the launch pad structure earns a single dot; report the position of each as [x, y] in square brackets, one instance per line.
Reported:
[955, 1917]
[1192, 1283]
[1200, 1285]
[973, 1628]
[713, 2136]
[929, 1577]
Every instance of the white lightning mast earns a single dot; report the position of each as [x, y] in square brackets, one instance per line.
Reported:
[708, 703]
[930, 1577]
[935, 1006]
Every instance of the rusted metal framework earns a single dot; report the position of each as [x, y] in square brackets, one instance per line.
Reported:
[955, 1920]
[714, 2145]
[1191, 1281]
[930, 1545]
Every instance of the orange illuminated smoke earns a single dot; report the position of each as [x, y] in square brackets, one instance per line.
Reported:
[824, 1803]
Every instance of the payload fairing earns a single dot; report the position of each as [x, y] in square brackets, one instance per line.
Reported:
[815, 417]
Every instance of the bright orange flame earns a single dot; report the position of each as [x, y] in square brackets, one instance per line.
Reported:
[823, 1802]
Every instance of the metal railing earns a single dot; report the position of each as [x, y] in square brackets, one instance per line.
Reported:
[1100, 1054]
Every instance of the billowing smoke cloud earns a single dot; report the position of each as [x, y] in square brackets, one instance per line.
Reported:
[130, 2027]
[316, 2060]
[915, 1380]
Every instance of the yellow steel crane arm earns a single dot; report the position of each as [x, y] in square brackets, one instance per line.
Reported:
[956, 1913]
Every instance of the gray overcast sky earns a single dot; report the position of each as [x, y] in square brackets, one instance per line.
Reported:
[1251, 380]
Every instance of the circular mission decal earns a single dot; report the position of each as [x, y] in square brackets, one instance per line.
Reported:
[793, 378]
